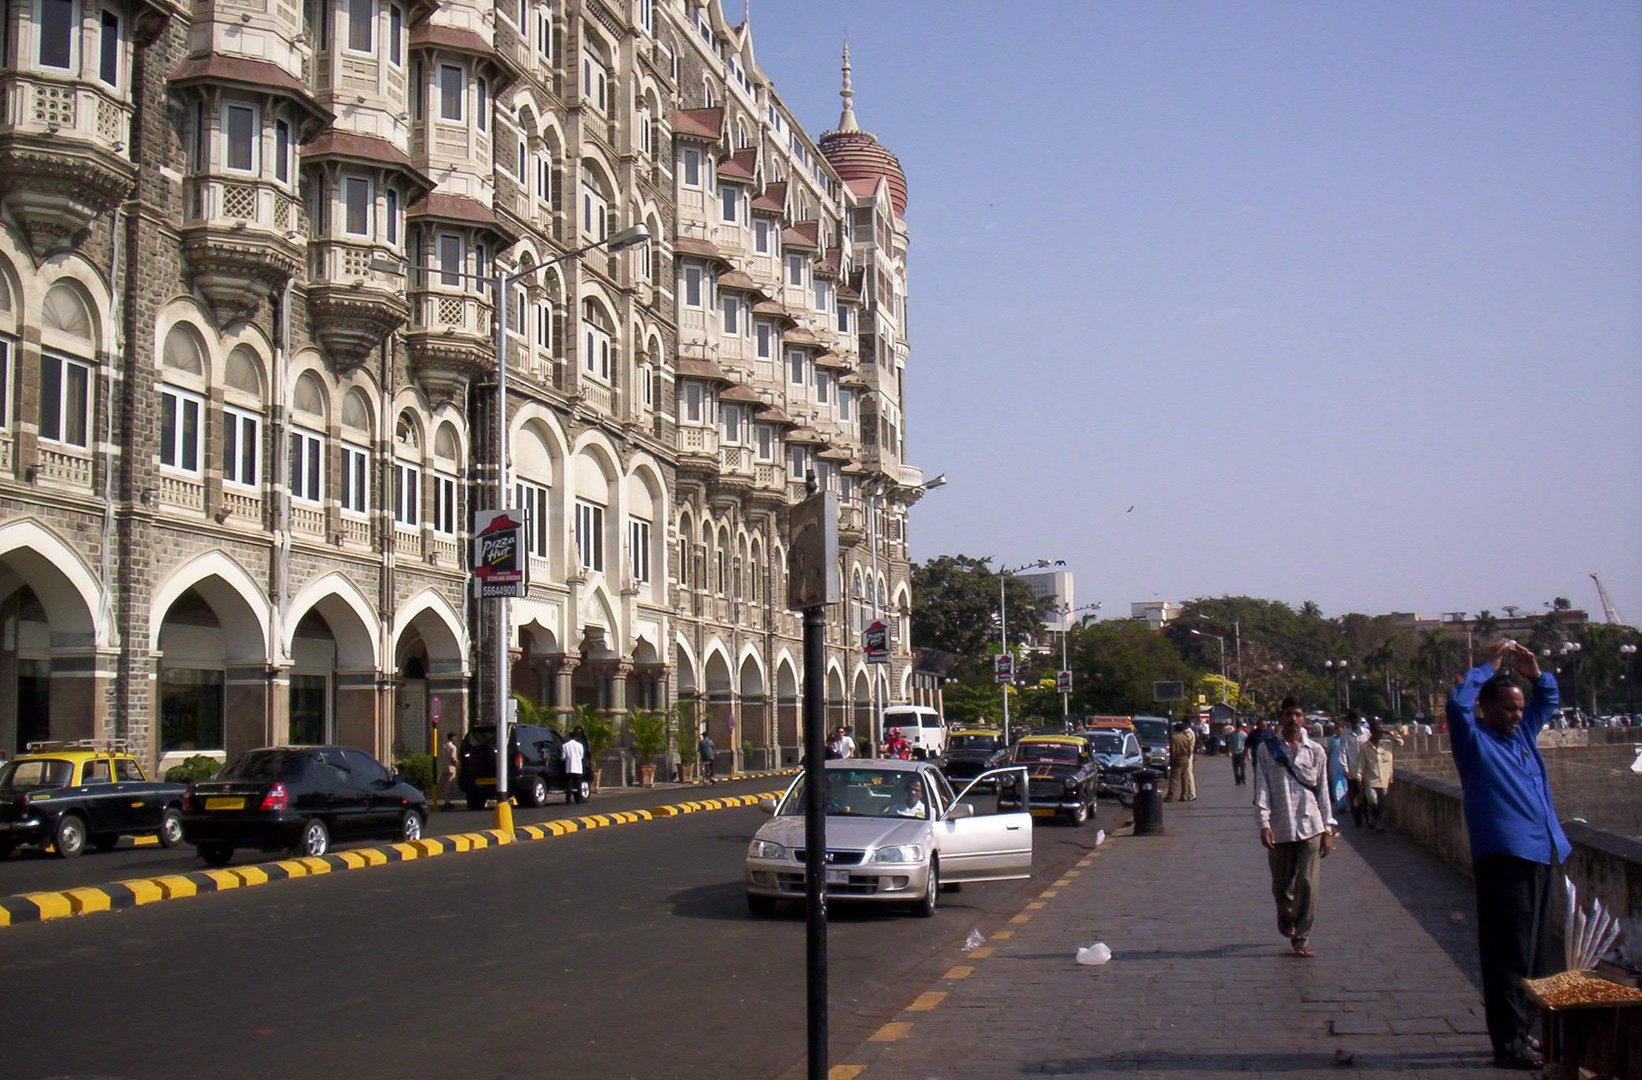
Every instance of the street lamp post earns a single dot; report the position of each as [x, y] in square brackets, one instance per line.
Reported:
[1339, 669]
[1627, 653]
[625, 238]
[873, 492]
[1003, 632]
[1222, 642]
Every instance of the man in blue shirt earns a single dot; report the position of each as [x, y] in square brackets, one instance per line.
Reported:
[1516, 840]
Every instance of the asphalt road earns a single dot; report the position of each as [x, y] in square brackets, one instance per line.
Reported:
[622, 952]
[31, 869]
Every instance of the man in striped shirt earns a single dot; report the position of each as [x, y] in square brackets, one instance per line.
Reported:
[1296, 821]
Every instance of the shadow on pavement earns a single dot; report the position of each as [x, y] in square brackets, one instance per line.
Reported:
[1430, 890]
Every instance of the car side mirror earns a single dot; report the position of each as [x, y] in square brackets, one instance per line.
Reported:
[960, 810]
[767, 805]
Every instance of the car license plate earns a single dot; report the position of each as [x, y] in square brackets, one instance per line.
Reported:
[1043, 811]
[224, 804]
[838, 877]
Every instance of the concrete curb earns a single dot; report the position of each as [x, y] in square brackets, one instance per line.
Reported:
[137, 892]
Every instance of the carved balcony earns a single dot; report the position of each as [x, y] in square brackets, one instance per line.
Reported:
[354, 304]
[63, 154]
[242, 239]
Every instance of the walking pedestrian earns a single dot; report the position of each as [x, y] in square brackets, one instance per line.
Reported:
[449, 762]
[1374, 777]
[1353, 752]
[1236, 743]
[1296, 822]
[1516, 840]
[1180, 761]
[575, 763]
[1190, 787]
[709, 755]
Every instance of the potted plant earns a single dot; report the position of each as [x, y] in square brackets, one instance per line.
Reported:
[689, 736]
[600, 732]
[650, 729]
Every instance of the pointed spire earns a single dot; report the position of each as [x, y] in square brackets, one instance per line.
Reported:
[846, 121]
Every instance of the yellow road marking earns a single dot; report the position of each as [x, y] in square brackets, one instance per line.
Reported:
[1036, 905]
[927, 1001]
[981, 953]
[143, 891]
[894, 1031]
[962, 971]
[144, 841]
[1063, 883]
[225, 879]
[845, 1072]
[1003, 935]
[176, 886]
[1020, 920]
[250, 875]
[354, 859]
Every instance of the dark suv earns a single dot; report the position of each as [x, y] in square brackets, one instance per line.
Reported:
[536, 766]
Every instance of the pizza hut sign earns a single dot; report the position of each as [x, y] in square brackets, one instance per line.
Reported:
[501, 563]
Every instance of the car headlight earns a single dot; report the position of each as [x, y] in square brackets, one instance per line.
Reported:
[1006, 780]
[766, 849]
[1071, 783]
[899, 853]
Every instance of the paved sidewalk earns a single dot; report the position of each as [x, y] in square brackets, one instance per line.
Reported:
[1200, 984]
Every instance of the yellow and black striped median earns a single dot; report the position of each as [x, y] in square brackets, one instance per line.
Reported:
[138, 892]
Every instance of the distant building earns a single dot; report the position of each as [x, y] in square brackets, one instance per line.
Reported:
[1155, 613]
[1057, 585]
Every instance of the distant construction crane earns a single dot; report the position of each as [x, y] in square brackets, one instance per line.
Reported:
[1609, 615]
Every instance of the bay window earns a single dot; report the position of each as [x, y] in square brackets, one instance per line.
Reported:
[240, 131]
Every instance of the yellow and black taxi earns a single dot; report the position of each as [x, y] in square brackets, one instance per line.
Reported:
[972, 751]
[70, 794]
[1063, 778]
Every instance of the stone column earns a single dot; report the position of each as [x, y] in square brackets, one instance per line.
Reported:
[563, 668]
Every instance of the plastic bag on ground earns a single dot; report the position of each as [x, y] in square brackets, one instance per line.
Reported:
[1100, 837]
[974, 941]
[1094, 955]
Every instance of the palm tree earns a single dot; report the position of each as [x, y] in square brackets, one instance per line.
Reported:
[1434, 663]
[1487, 624]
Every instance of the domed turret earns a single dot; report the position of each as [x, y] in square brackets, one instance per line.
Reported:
[857, 155]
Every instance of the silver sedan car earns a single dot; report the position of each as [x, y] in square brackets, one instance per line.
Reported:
[895, 832]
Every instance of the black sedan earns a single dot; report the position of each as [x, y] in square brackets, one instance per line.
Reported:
[1063, 778]
[299, 798]
[972, 751]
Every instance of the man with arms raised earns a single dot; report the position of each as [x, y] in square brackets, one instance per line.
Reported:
[1516, 840]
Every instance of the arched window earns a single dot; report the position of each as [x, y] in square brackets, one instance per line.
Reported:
[182, 401]
[357, 436]
[447, 466]
[407, 472]
[242, 419]
[67, 373]
[596, 341]
[596, 196]
[308, 440]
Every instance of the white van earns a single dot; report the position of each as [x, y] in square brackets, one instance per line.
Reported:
[920, 725]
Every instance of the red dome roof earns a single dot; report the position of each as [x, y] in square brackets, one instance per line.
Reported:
[857, 155]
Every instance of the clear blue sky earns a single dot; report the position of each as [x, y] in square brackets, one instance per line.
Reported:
[1344, 299]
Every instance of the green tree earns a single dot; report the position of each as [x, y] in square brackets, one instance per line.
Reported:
[957, 609]
[1115, 664]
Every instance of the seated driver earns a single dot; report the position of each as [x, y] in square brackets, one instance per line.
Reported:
[909, 800]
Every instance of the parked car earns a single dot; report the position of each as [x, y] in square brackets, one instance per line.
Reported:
[921, 726]
[972, 751]
[1061, 778]
[882, 845]
[536, 766]
[70, 794]
[300, 798]
[1153, 732]
[1118, 754]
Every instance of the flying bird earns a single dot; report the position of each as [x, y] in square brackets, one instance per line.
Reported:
[1130, 510]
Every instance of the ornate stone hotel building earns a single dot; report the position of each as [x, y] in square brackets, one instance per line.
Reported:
[248, 254]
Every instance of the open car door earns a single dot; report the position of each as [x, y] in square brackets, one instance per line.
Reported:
[984, 847]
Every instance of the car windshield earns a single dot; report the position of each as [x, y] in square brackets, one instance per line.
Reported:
[1053, 753]
[264, 765]
[1108, 744]
[885, 793]
[973, 742]
[1152, 731]
[31, 773]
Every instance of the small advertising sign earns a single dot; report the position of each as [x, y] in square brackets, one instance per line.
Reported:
[1063, 681]
[875, 642]
[501, 566]
[1168, 691]
[1003, 668]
